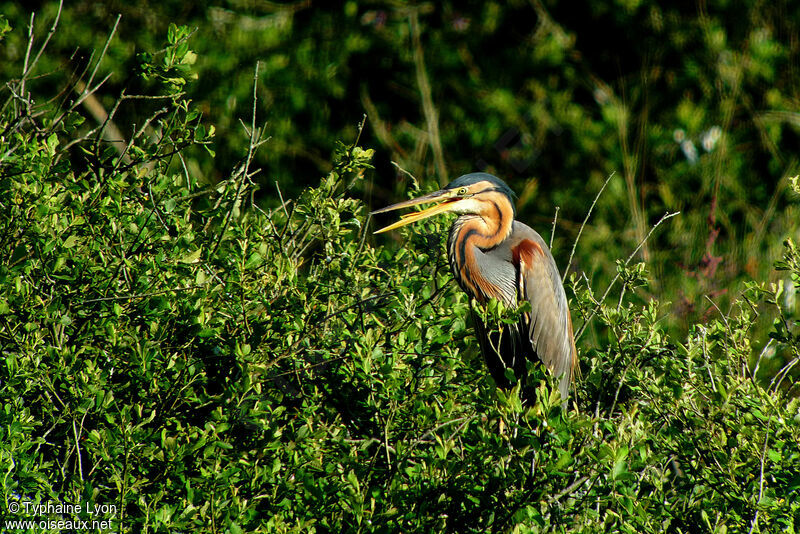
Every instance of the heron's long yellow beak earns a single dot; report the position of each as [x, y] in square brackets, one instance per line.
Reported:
[446, 197]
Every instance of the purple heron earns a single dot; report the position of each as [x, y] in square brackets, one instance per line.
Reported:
[492, 256]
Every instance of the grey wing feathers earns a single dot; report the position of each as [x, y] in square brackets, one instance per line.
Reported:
[548, 324]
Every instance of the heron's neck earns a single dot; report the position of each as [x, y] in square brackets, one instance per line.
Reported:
[472, 236]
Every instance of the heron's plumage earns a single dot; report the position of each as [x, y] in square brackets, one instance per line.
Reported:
[520, 268]
[493, 256]
[548, 325]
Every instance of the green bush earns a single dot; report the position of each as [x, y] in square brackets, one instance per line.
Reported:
[200, 364]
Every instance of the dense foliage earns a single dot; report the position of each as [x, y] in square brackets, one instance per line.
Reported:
[203, 361]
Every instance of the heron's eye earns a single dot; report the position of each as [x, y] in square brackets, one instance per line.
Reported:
[462, 191]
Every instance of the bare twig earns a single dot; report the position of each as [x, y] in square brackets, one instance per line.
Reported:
[780, 376]
[413, 178]
[46, 40]
[88, 89]
[136, 135]
[553, 230]
[27, 56]
[28, 67]
[620, 383]
[728, 329]
[569, 489]
[109, 130]
[754, 374]
[360, 129]
[142, 295]
[283, 202]
[627, 261]
[585, 220]
[707, 358]
[754, 522]
[102, 55]
[255, 142]
[77, 433]
[379, 127]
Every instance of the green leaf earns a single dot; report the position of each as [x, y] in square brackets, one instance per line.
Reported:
[172, 33]
[775, 455]
[191, 257]
[620, 462]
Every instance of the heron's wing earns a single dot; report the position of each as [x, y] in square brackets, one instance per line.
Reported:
[501, 350]
[548, 323]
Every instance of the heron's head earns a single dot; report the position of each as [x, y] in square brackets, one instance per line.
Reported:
[477, 193]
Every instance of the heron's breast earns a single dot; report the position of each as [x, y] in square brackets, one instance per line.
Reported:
[486, 274]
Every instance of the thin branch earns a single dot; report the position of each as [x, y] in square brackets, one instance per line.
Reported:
[27, 55]
[46, 40]
[77, 435]
[553, 230]
[102, 53]
[283, 202]
[109, 129]
[136, 135]
[754, 522]
[202, 192]
[360, 129]
[758, 360]
[627, 261]
[707, 358]
[28, 68]
[88, 89]
[379, 127]
[585, 220]
[413, 178]
[246, 169]
[142, 295]
[780, 376]
[569, 489]
[621, 378]
[725, 339]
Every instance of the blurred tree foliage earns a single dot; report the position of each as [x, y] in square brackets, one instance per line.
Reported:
[207, 359]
